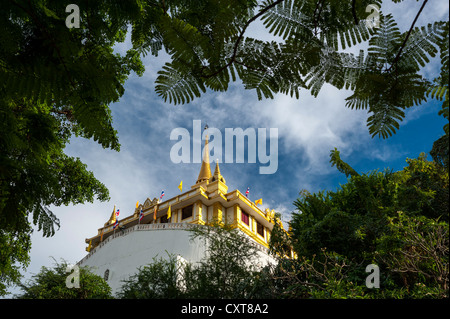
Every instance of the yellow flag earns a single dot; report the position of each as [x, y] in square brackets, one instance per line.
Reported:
[113, 216]
[89, 248]
[137, 204]
[169, 212]
[180, 187]
[259, 201]
[154, 213]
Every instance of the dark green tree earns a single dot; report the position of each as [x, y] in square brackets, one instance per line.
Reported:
[55, 83]
[398, 220]
[439, 152]
[51, 283]
[348, 220]
[415, 250]
[162, 279]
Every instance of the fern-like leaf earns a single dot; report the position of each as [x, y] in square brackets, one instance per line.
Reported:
[286, 19]
[421, 45]
[45, 220]
[177, 87]
[384, 44]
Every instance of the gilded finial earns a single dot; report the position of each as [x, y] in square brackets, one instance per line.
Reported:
[205, 170]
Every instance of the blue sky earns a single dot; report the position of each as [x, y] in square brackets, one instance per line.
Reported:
[308, 129]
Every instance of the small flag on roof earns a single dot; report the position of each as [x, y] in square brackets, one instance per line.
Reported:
[247, 191]
[162, 194]
[117, 212]
[141, 215]
[116, 224]
[259, 201]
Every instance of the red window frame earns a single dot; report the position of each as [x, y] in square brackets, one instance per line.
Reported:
[260, 229]
[245, 218]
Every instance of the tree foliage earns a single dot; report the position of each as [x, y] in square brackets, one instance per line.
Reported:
[439, 90]
[50, 283]
[416, 248]
[397, 220]
[343, 167]
[55, 83]
[157, 280]
[385, 80]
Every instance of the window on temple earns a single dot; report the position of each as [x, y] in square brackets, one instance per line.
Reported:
[164, 219]
[245, 218]
[260, 229]
[186, 212]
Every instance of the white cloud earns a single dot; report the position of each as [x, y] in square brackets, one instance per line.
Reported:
[314, 126]
[405, 12]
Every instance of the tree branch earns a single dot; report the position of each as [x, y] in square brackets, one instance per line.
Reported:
[240, 37]
[354, 12]
[397, 57]
[48, 35]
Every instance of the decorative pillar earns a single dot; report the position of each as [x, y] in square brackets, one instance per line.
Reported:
[217, 212]
[199, 213]
[236, 215]
[176, 216]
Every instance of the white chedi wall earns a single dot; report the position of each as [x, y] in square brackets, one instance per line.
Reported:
[121, 254]
[127, 250]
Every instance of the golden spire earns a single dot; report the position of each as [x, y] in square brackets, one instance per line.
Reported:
[217, 170]
[205, 170]
[217, 176]
[112, 219]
